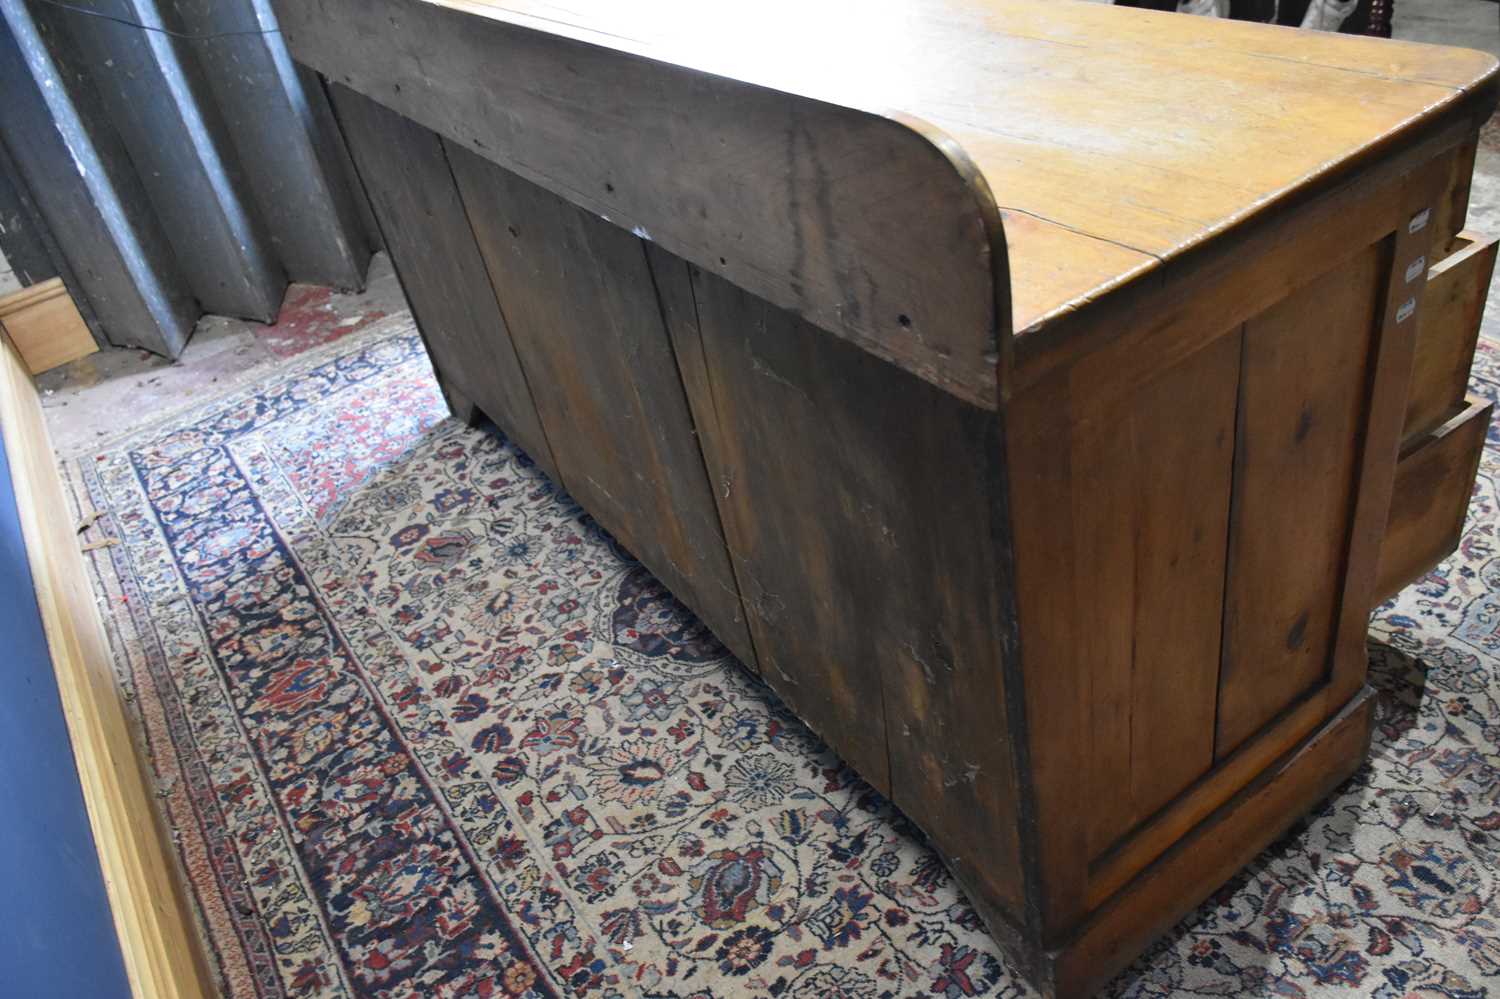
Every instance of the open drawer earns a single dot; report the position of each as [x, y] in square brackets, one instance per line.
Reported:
[1434, 478]
[1448, 330]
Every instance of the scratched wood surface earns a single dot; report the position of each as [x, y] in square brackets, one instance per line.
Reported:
[582, 310]
[864, 535]
[405, 173]
[1294, 486]
[833, 213]
[1057, 104]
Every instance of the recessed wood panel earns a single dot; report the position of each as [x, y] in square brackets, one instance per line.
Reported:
[582, 310]
[1151, 508]
[1303, 400]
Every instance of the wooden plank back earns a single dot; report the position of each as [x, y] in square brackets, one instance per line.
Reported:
[860, 507]
[426, 230]
[1119, 519]
[581, 307]
[872, 227]
[1151, 512]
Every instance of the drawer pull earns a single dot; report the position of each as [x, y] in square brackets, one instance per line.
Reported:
[1416, 269]
[1419, 221]
[1407, 308]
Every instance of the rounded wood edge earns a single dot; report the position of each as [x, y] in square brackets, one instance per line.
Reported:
[993, 225]
[856, 283]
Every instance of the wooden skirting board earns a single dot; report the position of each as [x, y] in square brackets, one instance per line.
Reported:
[162, 952]
[44, 326]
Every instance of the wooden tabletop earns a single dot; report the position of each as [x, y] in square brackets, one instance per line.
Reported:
[1112, 139]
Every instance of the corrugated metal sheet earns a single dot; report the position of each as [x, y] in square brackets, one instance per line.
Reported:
[179, 160]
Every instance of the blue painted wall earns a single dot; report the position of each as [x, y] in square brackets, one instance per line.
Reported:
[56, 935]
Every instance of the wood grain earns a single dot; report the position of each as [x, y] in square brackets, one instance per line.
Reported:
[1302, 406]
[426, 231]
[1150, 584]
[1152, 516]
[162, 951]
[1057, 106]
[1401, 309]
[1197, 296]
[1452, 311]
[874, 228]
[859, 506]
[1208, 856]
[1430, 502]
[582, 309]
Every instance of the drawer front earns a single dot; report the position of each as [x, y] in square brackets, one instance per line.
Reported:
[1434, 479]
[1449, 328]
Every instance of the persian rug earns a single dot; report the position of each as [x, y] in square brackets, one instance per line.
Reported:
[423, 729]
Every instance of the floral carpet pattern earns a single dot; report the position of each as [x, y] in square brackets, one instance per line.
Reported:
[422, 729]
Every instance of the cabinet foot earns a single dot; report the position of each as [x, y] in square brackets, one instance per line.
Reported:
[461, 406]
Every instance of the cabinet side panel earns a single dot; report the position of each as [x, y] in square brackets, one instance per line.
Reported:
[1121, 512]
[858, 502]
[582, 310]
[1303, 403]
[1151, 516]
[426, 231]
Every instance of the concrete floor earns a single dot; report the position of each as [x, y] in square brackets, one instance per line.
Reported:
[109, 392]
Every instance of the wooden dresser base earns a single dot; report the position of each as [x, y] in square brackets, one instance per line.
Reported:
[1183, 877]
[1101, 633]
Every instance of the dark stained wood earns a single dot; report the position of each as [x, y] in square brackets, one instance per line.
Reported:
[1302, 404]
[1434, 481]
[427, 234]
[582, 310]
[858, 504]
[834, 213]
[1452, 310]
